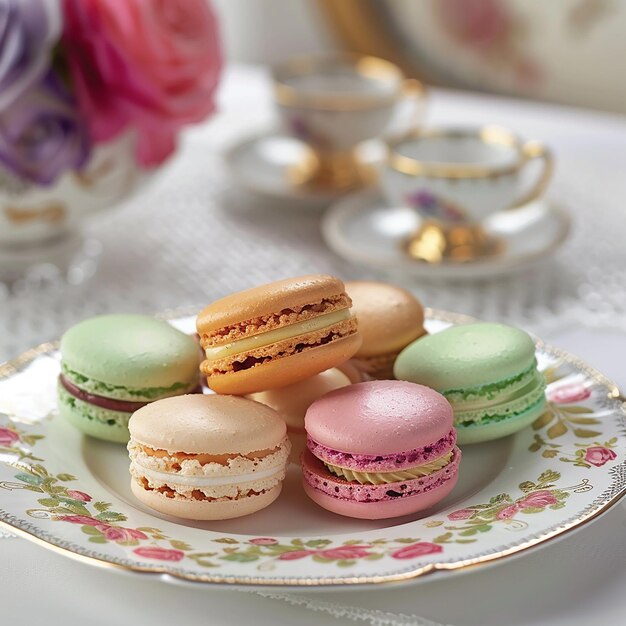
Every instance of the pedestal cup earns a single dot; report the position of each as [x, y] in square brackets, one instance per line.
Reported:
[333, 104]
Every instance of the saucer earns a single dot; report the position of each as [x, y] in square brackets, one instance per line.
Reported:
[262, 164]
[362, 228]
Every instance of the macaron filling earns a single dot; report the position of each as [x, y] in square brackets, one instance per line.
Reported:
[81, 410]
[316, 475]
[282, 342]
[381, 478]
[122, 392]
[265, 323]
[507, 399]
[205, 477]
[492, 390]
[279, 334]
[384, 462]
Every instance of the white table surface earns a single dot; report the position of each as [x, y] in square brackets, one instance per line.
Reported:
[576, 581]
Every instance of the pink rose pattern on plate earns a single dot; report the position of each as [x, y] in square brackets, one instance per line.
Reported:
[565, 411]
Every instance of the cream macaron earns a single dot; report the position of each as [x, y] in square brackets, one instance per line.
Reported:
[207, 457]
[389, 319]
[291, 403]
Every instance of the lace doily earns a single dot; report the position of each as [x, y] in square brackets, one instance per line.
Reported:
[191, 238]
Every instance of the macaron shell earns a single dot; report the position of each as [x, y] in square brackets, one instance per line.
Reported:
[286, 370]
[204, 509]
[207, 424]
[379, 417]
[496, 430]
[298, 445]
[292, 401]
[268, 300]
[466, 356]
[130, 351]
[389, 317]
[381, 510]
[354, 370]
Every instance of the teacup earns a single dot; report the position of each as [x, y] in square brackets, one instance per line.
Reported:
[334, 103]
[455, 179]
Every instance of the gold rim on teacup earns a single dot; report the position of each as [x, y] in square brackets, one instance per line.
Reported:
[369, 67]
[493, 135]
[459, 234]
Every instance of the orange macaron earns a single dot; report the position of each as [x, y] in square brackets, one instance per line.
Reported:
[277, 334]
[389, 319]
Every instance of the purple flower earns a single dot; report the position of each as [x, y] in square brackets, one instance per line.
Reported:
[41, 134]
[28, 30]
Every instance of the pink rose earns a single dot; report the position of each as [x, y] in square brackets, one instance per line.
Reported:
[567, 394]
[8, 437]
[507, 512]
[538, 499]
[263, 541]
[152, 65]
[296, 554]
[81, 519]
[161, 554]
[345, 552]
[421, 548]
[114, 533]
[461, 514]
[78, 495]
[599, 455]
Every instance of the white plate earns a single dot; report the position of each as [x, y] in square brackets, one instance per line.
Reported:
[260, 164]
[362, 228]
[71, 493]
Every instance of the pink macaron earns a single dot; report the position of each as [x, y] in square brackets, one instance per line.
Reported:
[380, 449]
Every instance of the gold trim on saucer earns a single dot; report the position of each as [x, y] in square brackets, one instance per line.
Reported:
[369, 67]
[594, 510]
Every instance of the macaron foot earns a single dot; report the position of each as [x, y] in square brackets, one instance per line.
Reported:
[204, 510]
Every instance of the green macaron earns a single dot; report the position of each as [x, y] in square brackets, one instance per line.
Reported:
[488, 373]
[113, 365]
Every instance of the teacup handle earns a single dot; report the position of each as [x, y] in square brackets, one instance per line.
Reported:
[415, 92]
[532, 150]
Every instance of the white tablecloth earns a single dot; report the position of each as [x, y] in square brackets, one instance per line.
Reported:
[163, 252]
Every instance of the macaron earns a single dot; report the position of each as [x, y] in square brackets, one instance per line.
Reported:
[488, 373]
[207, 457]
[355, 370]
[112, 365]
[277, 334]
[291, 403]
[389, 319]
[380, 449]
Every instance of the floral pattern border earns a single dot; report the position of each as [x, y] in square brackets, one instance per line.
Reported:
[60, 499]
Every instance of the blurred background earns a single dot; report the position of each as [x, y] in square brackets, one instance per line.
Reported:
[564, 50]
[187, 229]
